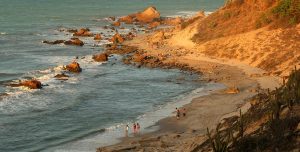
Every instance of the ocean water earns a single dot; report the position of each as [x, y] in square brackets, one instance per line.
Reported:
[84, 109]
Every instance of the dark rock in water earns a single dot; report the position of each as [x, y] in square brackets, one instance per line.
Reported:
[153, 25]
[100, 57]
[97, 37]
[113, 29]
[3, 95]
[74, 41]
[32, 84]
[74, 67]
[117, 38]
[61, 76]
[112, 18]
[126, 19]
[106, 27]
[54, 42]
[117, 23]
[72, 30]
[83, 32]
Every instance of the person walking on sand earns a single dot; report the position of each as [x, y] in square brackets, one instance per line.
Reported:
[126, 130]
[138, 127]
[134, 128]
[183, 112]
[177, 113]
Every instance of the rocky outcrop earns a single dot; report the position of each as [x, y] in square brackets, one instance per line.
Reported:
[74, 67]
[117, 38]
[31, 84]
[158, 37]
[74, 41]
[148, 15]
[83, 32]
[129, 36]
[97, 37]
[126, 19]
[232, 90]
[172, 21]
[117, 23]
[123, 49]
[54, 42]
[102, 57]
[153, 24]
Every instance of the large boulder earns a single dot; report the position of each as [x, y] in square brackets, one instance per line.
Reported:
[117, 23]
[83, 32]
[31, 84]
[74, 41]
[74, 67]
[148, 15]
[102, 57]
[97, 37]
[126, 19]
[117, 38]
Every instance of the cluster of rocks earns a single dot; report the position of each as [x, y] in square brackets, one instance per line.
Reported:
[141, 59]
[149, 17]
[72, 41]
[73, 67]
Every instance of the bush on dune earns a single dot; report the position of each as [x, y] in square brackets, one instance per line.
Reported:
[289, 9]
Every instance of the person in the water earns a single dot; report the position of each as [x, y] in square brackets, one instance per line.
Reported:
[126, 130]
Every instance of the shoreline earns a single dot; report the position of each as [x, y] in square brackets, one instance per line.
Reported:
[150, 121]
[202, 112]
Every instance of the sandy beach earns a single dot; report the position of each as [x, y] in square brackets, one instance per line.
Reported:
[203, 112]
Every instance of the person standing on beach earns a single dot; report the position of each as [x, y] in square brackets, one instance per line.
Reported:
[138, 127]
[177, 113]
[183, 112]
[126, 130]
[134, 128]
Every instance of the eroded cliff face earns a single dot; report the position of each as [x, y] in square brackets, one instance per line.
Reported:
[251, 31]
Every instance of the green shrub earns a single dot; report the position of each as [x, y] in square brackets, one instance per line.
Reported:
[213, 24]
[289, 9]
[227, 15]
[262, 20]
[218, 144]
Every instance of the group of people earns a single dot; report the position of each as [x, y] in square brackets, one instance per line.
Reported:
[135, 128]
[179, 112]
